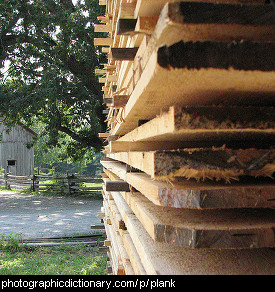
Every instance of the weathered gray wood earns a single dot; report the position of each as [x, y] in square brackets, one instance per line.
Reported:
[13, 148]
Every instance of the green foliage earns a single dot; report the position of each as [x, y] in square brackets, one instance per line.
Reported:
[62, 260]
[9, 242]
[50, 79]
[85, 160]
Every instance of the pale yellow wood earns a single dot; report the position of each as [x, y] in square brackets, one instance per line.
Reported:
[160, 258]
[112, 78]
[105, 18]
[140, 160]
[167, 127]
[102, 79]
[127, 70]
[103, 135]
[103, 41]
[102, 28]
[100, 71]
[117, 265]
[172, 28]
[127, 241]
[170, 165]
[183, 194]
[117, 219]
[105, 50]
[131, 250]
[115, 235]
[189, 87]
[146, 24]
[127, 10]
[181, 222]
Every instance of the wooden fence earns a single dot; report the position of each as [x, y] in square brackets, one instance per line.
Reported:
[70, 183]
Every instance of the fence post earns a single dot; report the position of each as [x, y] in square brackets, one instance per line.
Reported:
[68, 183]
[34, 182]
[7, 186]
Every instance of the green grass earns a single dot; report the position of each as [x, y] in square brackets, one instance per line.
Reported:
[58, 260]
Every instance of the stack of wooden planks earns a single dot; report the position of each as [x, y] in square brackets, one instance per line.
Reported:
[188, 174]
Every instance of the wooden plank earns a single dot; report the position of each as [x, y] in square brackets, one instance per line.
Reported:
[131, 27]
[102, 79]
[117, 219]
[120, 100]
[204, 228]
[123, 54]
[126, 146]
[126, 238]
[201, 164]
[117, 266]
[103, 41]
[112, 78]
[133, 255]
[105, 18]
[127, 10]
[163, 259]
[100, 71]
[196, 21]
[146, 24]
[154, 7]
[201, 73]
[116, 186]
[163, 32]
[117, 242]
[190, 194]
[103, 135]
[193, 126]
[105, 50]
[102, 28]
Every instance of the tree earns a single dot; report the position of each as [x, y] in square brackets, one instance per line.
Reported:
[49, 47]
[57, 156]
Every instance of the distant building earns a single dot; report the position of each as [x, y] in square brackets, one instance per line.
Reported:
[15, 157]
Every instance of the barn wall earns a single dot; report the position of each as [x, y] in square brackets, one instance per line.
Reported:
[13, 147]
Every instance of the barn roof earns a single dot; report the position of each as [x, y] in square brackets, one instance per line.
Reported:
[26, 128]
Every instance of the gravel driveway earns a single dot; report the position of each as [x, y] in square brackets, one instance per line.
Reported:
[42, 216]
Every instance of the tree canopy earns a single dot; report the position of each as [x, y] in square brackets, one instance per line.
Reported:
[47, 48]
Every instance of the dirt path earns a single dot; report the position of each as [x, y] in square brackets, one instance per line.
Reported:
[41, 216]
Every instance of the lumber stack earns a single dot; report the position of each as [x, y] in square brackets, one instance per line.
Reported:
[188, 174]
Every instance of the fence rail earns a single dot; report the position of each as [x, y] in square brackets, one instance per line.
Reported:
[70, 183]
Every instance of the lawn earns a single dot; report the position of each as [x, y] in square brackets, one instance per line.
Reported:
[57, 260]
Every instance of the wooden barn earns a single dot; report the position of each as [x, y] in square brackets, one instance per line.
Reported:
[15, 157]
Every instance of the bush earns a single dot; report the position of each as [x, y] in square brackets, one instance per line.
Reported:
[9, 242]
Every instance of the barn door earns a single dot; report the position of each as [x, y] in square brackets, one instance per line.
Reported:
[11, 168]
